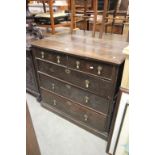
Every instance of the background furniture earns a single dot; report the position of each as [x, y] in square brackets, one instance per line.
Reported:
[50, 13]
[31, 81]
[88, 7]
[89, 15]
[79, 77]
[122, 101]
[94, 15]
[115, 17]
[32, 33]
[119, 17]
[122, 144]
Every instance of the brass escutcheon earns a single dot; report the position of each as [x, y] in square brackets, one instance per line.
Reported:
[67, 71]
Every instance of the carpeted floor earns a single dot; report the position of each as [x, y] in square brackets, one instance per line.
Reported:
[57, 136]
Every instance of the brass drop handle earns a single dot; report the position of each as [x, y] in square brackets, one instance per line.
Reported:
[85, 117]
[99, 69]
[87, 83]
[54, 102]
[53, 86]
[77, 64]
[58, 59]
[86, 99]
[42, 55]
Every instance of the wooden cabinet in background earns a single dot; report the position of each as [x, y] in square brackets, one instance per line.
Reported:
[31, 80]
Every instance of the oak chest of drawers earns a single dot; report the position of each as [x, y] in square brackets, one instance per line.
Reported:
[79, 78]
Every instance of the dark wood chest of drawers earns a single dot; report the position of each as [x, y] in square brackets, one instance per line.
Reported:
[79, 78]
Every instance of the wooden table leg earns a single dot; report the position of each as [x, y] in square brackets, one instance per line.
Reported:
[95, 17]
[102, 28]
[44, 6]
[51, 16]
[72, 15]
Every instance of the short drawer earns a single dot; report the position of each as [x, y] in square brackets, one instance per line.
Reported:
[93, 67]
[95, 85]
[75, 111]
[76, 94]
[52, 56]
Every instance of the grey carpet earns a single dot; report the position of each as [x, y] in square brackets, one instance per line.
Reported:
[57, 136]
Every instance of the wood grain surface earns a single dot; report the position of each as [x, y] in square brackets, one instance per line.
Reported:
[108, 49]
[32, 147]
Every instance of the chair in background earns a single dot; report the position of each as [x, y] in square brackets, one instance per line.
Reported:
[120, 14]
[86, 12]
[116, 18]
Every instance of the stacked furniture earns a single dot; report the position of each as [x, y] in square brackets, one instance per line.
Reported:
[119, 17]
[79, 77]
[54, 14]
[88, 9]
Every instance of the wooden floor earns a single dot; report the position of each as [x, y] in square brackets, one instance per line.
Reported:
[32, 147]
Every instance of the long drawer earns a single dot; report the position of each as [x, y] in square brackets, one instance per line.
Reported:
[87, 99]
[75, 111]
[102, 70]
[95, 85]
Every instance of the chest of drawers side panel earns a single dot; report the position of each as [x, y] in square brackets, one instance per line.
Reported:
[117, 83]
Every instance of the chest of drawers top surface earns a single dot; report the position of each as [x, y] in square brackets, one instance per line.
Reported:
[109, 49]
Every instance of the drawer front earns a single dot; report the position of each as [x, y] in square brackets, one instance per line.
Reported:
[92, 67]
[51, 56]
[75, 94]
[77, 112]
[96, 85]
